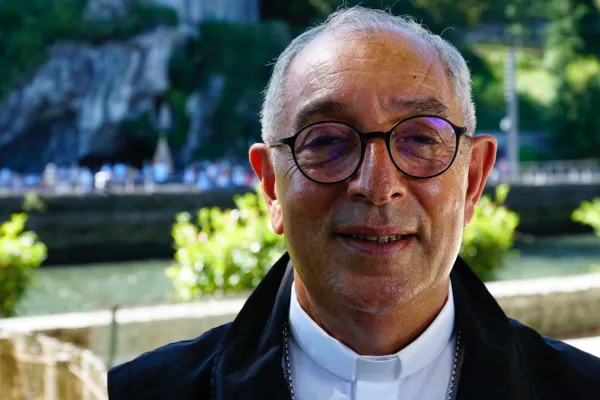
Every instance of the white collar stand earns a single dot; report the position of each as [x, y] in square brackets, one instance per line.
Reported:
[342, 361]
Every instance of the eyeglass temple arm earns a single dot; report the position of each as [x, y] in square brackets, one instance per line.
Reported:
[284, 142]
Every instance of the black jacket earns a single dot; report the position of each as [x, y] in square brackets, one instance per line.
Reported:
[503, 359]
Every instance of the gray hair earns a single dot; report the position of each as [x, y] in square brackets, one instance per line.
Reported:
[364, 19]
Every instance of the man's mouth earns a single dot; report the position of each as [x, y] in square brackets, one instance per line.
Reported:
[376, 240]
[380, 239]
[377, 245]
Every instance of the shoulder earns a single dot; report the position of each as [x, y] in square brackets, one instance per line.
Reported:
[557, 364]
[178, 370]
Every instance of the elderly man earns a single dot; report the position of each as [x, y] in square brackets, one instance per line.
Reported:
[370, 169]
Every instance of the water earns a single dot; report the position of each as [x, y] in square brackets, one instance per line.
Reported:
[95, 287]
[553, 256]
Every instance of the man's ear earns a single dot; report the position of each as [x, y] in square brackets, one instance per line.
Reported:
[482, 151]
[263, 168]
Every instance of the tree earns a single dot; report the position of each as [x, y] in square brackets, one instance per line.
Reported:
[240, 55]
[575, 126]
[573, 29]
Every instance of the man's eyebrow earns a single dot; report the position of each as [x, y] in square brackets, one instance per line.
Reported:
[319, 107]
[396, 106]
[424, 106]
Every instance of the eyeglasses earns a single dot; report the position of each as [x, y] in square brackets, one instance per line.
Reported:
[421, 147]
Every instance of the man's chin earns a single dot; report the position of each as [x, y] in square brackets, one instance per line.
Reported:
[375, 298]
[374, 308]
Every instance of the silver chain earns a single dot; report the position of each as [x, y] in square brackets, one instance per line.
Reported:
[288, 366]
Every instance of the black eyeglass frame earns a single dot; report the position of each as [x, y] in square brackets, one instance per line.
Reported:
[364, 138]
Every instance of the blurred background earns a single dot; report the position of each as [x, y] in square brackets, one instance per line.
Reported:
[124, 130]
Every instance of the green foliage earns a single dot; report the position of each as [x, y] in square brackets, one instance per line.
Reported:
[488, 239]
[588, 213]
[238, 53]
[33, 203]
[491, 107]
[436, 14]
[30, 27]
[20, 254]
[453, 13]
[224, 250]
[300, 13]
[141, 17]
[488, 89]
[573, 30]
[575, 126]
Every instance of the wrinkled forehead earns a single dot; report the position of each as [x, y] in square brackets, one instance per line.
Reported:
[368, 73]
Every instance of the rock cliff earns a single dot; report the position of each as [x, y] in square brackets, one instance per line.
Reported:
[74, 104]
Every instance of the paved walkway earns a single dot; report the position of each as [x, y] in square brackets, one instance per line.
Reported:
[591, 345]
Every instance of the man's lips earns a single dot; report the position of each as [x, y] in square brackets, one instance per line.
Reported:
[376, 241]
[377, 246]
[371, 231]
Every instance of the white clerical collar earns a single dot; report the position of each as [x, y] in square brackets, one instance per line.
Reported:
[342, 361]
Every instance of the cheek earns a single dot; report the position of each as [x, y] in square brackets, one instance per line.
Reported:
[443, 202]
[305, 203]
[433, 190]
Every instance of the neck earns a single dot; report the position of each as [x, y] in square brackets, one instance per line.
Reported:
[380, 334]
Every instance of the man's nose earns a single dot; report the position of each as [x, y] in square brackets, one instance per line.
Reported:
[377, 179]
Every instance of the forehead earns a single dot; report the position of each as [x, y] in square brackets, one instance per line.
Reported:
[368, 73]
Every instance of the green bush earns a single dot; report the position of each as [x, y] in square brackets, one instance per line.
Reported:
[20, 254]
[488, 239]
[231, 250]
[588, 213]
[224, 250]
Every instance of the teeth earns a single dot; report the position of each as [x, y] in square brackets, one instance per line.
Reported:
[379, 239]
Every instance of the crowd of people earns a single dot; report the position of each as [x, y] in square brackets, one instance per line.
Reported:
[203, 175]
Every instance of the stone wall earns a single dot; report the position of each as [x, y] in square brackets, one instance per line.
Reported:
[557, 307]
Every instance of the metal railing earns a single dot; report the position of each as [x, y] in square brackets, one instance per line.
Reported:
[582, 172]
[531, 173]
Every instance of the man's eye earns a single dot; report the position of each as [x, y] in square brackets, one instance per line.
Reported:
[420, 139]
[321, 141]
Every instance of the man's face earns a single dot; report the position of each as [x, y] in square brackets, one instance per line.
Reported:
[357, 79]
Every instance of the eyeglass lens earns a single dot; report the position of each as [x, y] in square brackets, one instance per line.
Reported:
[420, 147]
